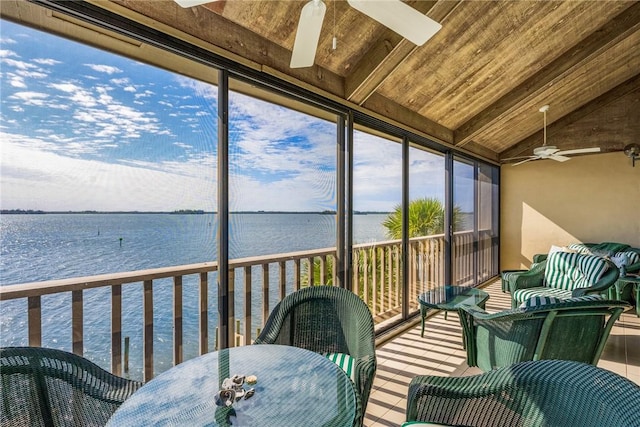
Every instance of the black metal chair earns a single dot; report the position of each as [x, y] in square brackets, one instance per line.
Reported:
[49, 387]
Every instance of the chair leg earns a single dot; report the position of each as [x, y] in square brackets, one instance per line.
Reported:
[423, 314]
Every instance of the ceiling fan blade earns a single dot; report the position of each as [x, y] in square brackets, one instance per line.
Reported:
[518, 157]
[579, 151]
[191, 3]
[399, 17]
[524, 161]
[308, 34]
[558, 158]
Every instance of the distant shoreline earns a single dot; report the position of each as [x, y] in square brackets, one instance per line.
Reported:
[178, 212]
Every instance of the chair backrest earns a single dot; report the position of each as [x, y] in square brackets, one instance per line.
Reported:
[49, 387]
[570, 330]
[324, 319]
[568, 271]
[541, 393]
[619, 253]
[327, 320]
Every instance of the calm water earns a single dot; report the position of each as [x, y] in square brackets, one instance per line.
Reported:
[56, 246]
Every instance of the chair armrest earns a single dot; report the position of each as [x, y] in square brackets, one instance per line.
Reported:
[539, 258]
[633, 268]
[607, 280]
[531, 279]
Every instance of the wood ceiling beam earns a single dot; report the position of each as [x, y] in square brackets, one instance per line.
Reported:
[390, 109]
[619, 28]
[388, 53]
[524, 147]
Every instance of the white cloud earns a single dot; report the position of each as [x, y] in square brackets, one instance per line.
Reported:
[78, 94]
[46, 61]
[122, 81]
[108, 69]
[16, 81]
[30, 98]
[5, 53]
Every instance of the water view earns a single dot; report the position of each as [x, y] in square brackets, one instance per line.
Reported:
[56, 246]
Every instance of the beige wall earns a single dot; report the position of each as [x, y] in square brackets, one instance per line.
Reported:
[594, 198]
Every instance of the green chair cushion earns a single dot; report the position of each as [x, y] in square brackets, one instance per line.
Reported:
[538, 300]
[345, 362]
[527, 293]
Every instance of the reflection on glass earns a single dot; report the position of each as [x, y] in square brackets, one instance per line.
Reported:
[282, 200]
[463, 242]
[377, 251]
[426, 222]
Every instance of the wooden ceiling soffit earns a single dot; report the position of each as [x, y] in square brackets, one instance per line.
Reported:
[619, 28]
[232, 38]
[388, 53]
[391, 110]
[524, 147]
[481, 151]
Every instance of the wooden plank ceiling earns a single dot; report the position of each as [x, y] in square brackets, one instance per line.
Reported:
[478, 83]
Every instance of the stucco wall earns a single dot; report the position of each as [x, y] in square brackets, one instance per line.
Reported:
[594, 198]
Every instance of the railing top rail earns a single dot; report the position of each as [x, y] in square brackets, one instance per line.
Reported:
[79, 283]
[9, 292]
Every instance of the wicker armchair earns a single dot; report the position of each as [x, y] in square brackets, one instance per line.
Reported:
[541, 393]
[574, 329]
[565, 275]
[48, 387]
[327, 320]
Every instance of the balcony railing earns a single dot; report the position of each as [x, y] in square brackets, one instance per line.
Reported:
[256, 283]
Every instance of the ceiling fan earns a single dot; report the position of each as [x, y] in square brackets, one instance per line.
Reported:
[550, 151]
[394, 14]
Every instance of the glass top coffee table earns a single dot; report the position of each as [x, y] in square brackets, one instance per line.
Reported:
[295, 387]
[450, 298]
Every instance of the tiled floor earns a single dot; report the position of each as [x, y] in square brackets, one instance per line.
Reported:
[440, 352]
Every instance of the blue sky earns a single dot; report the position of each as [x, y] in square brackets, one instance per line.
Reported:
[84, 129]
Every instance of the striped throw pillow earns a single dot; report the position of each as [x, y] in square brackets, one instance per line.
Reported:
[345, 362]
[559, 271]
[591, 268]
[579, 247]
[569, 271]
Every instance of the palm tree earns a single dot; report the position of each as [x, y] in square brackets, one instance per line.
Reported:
[426, 217]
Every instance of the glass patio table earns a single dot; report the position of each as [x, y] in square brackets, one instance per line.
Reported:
[294, 387]
[450, 298]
